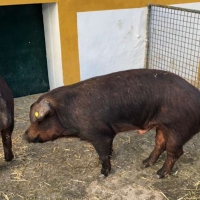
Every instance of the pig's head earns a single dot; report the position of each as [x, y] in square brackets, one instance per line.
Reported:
[45, 125]
[5, 114]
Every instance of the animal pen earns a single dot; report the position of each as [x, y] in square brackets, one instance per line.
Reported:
[173, 41]
[68, 168]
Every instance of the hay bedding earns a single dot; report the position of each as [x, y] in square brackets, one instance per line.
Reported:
[69, 168]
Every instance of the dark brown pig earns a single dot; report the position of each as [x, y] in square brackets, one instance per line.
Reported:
[98, 108]
[6, 119]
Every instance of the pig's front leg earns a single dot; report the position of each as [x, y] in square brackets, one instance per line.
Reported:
[7, 143]
[103, 146]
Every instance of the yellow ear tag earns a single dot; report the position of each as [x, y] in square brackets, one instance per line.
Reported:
[36, 114]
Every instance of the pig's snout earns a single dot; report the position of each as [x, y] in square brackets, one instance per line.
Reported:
[32, 139]
[25, 136]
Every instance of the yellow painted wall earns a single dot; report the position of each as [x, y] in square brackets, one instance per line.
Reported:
[68, 24]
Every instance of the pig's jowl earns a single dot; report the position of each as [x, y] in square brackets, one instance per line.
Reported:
[6, 119]
[99, 108]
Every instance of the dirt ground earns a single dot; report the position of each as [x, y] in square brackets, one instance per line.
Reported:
[68, 168]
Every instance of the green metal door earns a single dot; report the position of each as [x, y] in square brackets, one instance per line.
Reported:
[23, 63]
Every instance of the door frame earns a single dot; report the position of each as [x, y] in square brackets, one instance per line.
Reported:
[53, 44]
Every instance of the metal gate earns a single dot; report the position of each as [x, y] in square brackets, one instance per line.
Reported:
[173, 41]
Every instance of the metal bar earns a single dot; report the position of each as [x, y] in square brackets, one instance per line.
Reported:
[175, 8]
[147, 37]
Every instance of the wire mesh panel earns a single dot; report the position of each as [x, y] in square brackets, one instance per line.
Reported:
[173, 41]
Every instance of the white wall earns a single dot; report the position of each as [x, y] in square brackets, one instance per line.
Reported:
[53, 46]
[111, 40]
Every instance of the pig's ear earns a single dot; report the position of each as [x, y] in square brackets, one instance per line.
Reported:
[39, 110]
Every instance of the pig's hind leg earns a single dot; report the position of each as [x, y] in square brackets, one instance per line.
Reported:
[159, 148]
[174, 148]
[7, 142]
[103, 145]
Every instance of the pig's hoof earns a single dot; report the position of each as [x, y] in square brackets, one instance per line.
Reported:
[161, 173]
[146, 163]
[101, 176]
[9, 157]
[105, 172]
